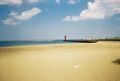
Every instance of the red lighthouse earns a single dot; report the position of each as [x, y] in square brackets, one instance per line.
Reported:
[65, 38]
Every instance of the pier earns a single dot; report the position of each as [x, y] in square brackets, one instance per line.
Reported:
[81, 40]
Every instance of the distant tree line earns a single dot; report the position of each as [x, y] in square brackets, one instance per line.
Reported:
[110, 39]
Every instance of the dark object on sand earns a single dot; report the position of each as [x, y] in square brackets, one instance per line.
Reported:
[116, 61]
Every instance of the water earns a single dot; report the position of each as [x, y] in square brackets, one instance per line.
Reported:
[20, 43]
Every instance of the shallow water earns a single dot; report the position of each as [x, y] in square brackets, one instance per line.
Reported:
[20, 43]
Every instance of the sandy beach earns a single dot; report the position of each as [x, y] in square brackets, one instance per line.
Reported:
[70, 62]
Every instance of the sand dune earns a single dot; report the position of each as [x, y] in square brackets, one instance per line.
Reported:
[74, 62]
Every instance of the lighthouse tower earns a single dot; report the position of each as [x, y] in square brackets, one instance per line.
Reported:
[65, 38]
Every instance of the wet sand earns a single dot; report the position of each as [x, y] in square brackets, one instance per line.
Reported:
[74, 62]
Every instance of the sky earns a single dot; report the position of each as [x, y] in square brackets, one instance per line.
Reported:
[52, 19]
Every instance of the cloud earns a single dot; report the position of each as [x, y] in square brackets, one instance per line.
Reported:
[32, 1]
[25, 15]
[71, 1]
[58, 1]
[16, 2]
[10, 21]
[68, 1]
[99, 9]
[15, 17]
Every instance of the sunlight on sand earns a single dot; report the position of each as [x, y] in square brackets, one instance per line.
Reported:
[76, 66]
[74, 62]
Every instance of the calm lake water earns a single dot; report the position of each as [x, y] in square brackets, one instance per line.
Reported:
[19, 43]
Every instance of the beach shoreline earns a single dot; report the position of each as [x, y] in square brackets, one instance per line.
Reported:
[59, 44]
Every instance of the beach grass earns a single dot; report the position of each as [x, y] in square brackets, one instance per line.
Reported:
[69, 62]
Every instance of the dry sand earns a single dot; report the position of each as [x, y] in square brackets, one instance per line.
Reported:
[75, 62]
